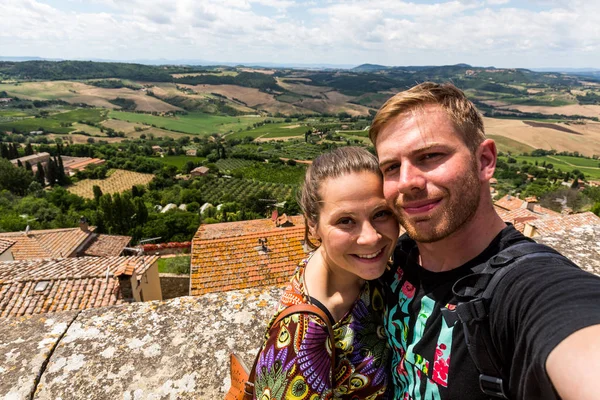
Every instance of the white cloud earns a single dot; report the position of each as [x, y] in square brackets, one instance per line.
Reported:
[480, 32]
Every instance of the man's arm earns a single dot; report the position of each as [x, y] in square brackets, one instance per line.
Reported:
[574, 365]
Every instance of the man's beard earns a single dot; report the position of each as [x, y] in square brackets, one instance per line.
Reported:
[457, 211]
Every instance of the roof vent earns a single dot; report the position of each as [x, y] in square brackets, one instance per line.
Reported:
[41, 286]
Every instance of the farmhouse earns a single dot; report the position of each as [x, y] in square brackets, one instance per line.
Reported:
[199, 171]
[74, 164]
[32, 159]
[191, 152]
[157, 149]
[53, 285]
[246, 254]
[64, 242]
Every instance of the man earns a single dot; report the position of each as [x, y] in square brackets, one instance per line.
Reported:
[544, 317]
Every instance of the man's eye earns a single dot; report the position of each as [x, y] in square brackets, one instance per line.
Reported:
[431, 156]
[391, 168]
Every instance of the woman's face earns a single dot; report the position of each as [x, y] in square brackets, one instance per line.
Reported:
[358, 231]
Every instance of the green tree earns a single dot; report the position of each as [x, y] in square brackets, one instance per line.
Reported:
[97, 194]
[141, 211]
[39, 174]
[15, 180]
[28, 150]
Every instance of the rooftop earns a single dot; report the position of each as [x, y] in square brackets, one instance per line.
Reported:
[241, 228]
[106, 245]
[64, 242]
[52, 285]
[511, 203]
[244, 254]
[46, 243]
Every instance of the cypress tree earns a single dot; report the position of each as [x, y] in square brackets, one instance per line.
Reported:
[4, 152]
[97, 193]
[14, 152]
[39, 174]
[28, 166]
[60, 171]
[51, 172]
[19, 164]
[28, 150]
[141, 212]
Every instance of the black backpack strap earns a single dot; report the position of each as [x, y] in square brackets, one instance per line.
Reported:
[475, 292]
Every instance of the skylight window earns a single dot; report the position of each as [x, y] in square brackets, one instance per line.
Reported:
[41, 286]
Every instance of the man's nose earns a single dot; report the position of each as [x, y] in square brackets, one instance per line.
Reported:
[410, 179]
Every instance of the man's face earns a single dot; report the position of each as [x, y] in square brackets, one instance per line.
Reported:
[431, 177]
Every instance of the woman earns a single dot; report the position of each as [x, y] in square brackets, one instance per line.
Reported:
[344, 208]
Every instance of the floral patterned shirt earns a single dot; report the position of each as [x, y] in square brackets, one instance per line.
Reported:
[295, 362]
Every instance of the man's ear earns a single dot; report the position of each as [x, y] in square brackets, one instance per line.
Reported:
[486, 157]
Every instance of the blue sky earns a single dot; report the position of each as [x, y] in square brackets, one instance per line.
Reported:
[501, 33]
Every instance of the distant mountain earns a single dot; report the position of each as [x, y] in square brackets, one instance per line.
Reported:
[188, 61]
[566, 70]
[370, 68]
[25, 58]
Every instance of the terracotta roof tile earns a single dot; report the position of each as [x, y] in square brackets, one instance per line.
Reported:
[21, 298]
[64, 284]
[71, 268]
[241, 228]
[239, 260]
[106, 245]
[46, 243]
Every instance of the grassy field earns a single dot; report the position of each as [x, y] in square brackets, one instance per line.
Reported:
[193, 123]
[178, 161]
[508, 145]
[55, 123]
[13, 113]
[118, 181]
[275, 130]
[174, 265]
[589, 167]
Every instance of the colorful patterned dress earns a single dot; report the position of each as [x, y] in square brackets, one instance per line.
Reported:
[295, 360]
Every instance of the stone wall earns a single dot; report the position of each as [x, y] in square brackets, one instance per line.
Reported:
[174, 285]
[175, 349]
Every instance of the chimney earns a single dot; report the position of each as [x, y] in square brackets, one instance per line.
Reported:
[530, 202]
[83, 224]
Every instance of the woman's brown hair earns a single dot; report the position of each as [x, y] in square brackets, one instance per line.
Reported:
[336, 163]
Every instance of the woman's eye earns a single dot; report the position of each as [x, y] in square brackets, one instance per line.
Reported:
[344, 221]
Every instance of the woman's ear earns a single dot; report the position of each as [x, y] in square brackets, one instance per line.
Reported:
[312, 229]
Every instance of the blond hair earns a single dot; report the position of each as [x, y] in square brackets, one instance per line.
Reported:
[336, 163]
[462, 111]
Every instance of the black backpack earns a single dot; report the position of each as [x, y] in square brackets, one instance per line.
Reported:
[475, 292]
